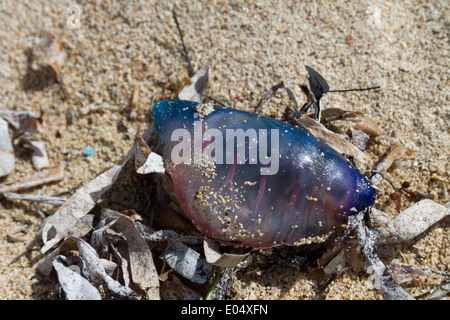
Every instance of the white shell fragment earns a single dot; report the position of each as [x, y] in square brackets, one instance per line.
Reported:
[147, 161]
[412, 221]
[359, 139]
[196, 90]
[336, 264]
[6, 150]
[39, 156]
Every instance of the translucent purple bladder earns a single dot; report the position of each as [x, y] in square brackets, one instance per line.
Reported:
[255, 180]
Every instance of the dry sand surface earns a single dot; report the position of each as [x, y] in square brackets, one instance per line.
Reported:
[249, 46]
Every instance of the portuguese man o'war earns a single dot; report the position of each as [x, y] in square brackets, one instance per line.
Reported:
[252, 180]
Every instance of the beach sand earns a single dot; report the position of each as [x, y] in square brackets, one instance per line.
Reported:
[249, 46]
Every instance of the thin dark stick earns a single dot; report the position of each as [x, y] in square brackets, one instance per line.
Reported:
[217, 101]
[21, 255]
[185, 52]
[375, 172]
[322, 289]
[268, 95]
[70, 191]
[54, 200]
[360, 89]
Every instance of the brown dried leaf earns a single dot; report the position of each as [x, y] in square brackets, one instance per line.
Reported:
[334, 141]
[93, 265]
[187, 262]
[25, 121]
[82, 227]
[53, 52]
[77, 206]
[412, 221]
[333, 114]
[224, 260]
[395, 153]
[370, 127]
[72, 282]
[143, 271]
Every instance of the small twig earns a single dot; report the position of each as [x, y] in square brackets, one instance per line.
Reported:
[323, 288]
[13, 234]
[21, 255]
[37, 179]
[359, 89]
[437, 293]
[56, 201]
[70, 191]
[185, 52]
[216, 101]
[231, 98]
[268, 95]
[39, 212]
